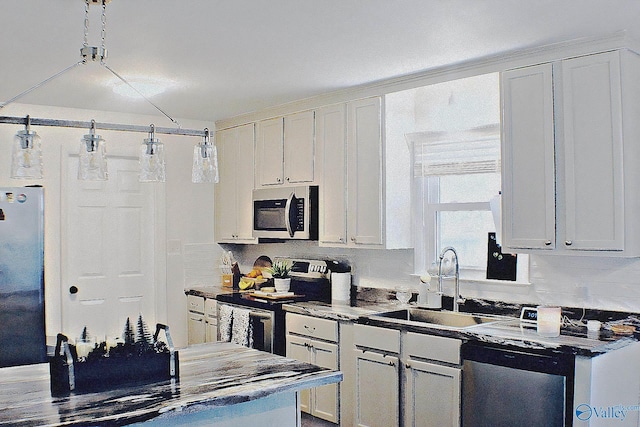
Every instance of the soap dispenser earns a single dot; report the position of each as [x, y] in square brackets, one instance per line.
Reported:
[428, 295]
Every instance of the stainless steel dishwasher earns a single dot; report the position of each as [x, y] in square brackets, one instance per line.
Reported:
[506, 387]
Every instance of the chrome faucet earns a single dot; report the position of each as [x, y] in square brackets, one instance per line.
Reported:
[457, 298]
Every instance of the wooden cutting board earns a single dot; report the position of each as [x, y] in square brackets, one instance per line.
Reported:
[274, 295]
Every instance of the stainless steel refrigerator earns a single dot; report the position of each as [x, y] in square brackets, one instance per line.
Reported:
[22, 328]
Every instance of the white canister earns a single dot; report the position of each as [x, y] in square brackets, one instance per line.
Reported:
[549, 319]
[340, 287]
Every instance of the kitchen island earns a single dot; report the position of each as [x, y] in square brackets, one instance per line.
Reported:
[220, 384]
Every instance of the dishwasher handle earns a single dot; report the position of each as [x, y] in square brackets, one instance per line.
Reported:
[546, 362]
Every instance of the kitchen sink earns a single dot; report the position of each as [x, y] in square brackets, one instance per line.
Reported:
[448, 319]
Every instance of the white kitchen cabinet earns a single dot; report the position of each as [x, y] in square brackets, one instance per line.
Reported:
[211, 320]
[582, 112]
[299, 147]
[432, 378]
[528, 159]
[314, 341]
[233, 194]
[377, 376]
[365, 173]
[196, 320]
[331, 137]
[364, 179]
[285, 149]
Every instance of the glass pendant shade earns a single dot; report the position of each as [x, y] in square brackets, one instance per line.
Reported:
[26, 159]
[205, 161]
[92, 157]
[152, 160]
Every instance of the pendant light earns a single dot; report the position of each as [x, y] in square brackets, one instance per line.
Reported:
[152, 165]
[205, 161]
[26, 159]
[93, 157]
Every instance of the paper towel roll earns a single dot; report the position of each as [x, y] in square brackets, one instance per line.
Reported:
[340, 286]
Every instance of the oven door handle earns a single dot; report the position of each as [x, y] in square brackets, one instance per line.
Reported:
[287, 209]
[260, 315]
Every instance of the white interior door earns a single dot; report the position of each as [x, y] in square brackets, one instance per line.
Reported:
[107, 248]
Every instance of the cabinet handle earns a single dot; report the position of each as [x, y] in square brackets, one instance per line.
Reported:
[568, 242]
[547, 243]
[407, 366]
[278, 180]
[392, 363]
[353, 239]
[287, 178]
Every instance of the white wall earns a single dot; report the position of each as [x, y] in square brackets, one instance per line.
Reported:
[189, 218]
[590, 282]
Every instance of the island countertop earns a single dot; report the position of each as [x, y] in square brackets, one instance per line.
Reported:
[211, 375]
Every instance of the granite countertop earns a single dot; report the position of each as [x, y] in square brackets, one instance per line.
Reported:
[508, 331]
[211, 375]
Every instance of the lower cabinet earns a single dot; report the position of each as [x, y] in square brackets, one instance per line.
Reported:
[315, 341]
[432, 379]
[196, 319]
[211, 320]
[406, 376]
[377, 376]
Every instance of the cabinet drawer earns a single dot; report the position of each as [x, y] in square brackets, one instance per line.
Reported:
[210, 307]
[377, 338]
[433, 348]
[195, 303]
[312, 327]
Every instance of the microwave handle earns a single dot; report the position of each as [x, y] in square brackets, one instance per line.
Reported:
[287, 209]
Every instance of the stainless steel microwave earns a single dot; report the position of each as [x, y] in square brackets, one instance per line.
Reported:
[286, 213]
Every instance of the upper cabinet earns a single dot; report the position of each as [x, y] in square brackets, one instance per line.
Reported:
[569, 133]
[233, 204]
[285, 150]
[351, 160]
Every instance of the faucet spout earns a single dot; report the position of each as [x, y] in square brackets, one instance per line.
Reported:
[457, 298]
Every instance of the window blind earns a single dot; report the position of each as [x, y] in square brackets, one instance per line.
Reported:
[471, 151]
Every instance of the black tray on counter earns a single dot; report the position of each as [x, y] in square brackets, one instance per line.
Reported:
[105, 373]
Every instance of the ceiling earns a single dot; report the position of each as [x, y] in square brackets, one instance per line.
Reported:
[224, 58]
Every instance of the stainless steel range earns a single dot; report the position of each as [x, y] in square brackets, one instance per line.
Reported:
[309, 282]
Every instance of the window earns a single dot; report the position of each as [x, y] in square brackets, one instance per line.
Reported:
[456, 171]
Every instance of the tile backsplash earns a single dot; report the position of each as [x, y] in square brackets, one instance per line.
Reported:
[590, 282]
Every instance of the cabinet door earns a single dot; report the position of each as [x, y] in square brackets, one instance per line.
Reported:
[377, 390]
[233, 194]
[432, 395]
[298, 348]
[225, 191]
[197, 328]
[325, 398]
[245, 183]
[593, 155]
[270, 152]
[299, 147]
[365, 172]
[331, 137]
[528, 160]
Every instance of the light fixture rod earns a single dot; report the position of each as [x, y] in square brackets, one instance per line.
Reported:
[103, 126]
[42, 83]
[140, 93]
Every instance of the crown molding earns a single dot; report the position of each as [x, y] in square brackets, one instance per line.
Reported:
[488, 64]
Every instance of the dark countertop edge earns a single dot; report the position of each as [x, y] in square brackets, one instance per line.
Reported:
[302, 380]
[362, 309]
[322, 310]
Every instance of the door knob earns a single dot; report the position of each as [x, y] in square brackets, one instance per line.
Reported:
[73, 290]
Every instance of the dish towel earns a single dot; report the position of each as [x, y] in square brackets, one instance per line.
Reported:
[224, 325]
[242, 331]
